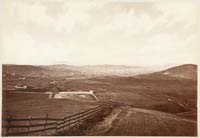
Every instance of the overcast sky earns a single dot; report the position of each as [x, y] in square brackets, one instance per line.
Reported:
[142, 33]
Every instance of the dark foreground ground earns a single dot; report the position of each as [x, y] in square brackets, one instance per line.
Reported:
[154, 106]
[131, 121]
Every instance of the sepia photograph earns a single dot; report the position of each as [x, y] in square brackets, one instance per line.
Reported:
[99, 67]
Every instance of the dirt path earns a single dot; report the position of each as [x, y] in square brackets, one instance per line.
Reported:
[127, 121]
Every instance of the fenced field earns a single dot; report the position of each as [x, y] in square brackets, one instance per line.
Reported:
[47, 125]
[39, 104]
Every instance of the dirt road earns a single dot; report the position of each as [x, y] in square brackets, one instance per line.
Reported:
[128, 121]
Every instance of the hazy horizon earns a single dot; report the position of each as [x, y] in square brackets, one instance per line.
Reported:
[167, 65]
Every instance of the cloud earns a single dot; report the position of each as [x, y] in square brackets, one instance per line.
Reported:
[93, 32]
[21, 48]
[30, 13]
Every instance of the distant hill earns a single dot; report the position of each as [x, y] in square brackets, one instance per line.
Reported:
[100, 70]
[36, 71]
[186, 71]
[16, 70]
[70, 71]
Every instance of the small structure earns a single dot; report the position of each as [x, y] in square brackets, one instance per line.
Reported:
[22, 78]
[12, 74]
[71, 94]
[166, 73]
[20, 86]
[55, 92]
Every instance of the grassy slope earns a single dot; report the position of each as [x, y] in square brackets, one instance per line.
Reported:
[23, 105]
[128, 121]
[138, 92]
[143, 92]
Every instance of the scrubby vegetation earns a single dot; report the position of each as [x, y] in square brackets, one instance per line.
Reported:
[83, 127]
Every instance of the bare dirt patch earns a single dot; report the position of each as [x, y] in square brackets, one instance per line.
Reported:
[105, 125]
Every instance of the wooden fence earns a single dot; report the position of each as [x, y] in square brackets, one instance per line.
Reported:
[47, 125]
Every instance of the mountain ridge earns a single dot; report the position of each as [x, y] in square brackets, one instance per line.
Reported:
[61, 70]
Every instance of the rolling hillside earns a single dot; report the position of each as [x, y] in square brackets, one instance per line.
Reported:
[77, 71]
[186, 71]
[127, 121]
[37, 71]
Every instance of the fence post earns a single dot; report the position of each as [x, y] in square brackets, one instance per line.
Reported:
[69, 122]
[57, 126]
[9, 123]
[29, 123]
[63, 123]
[78, 118]
[45, 125]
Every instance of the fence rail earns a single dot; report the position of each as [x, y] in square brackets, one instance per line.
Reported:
[46, 123]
